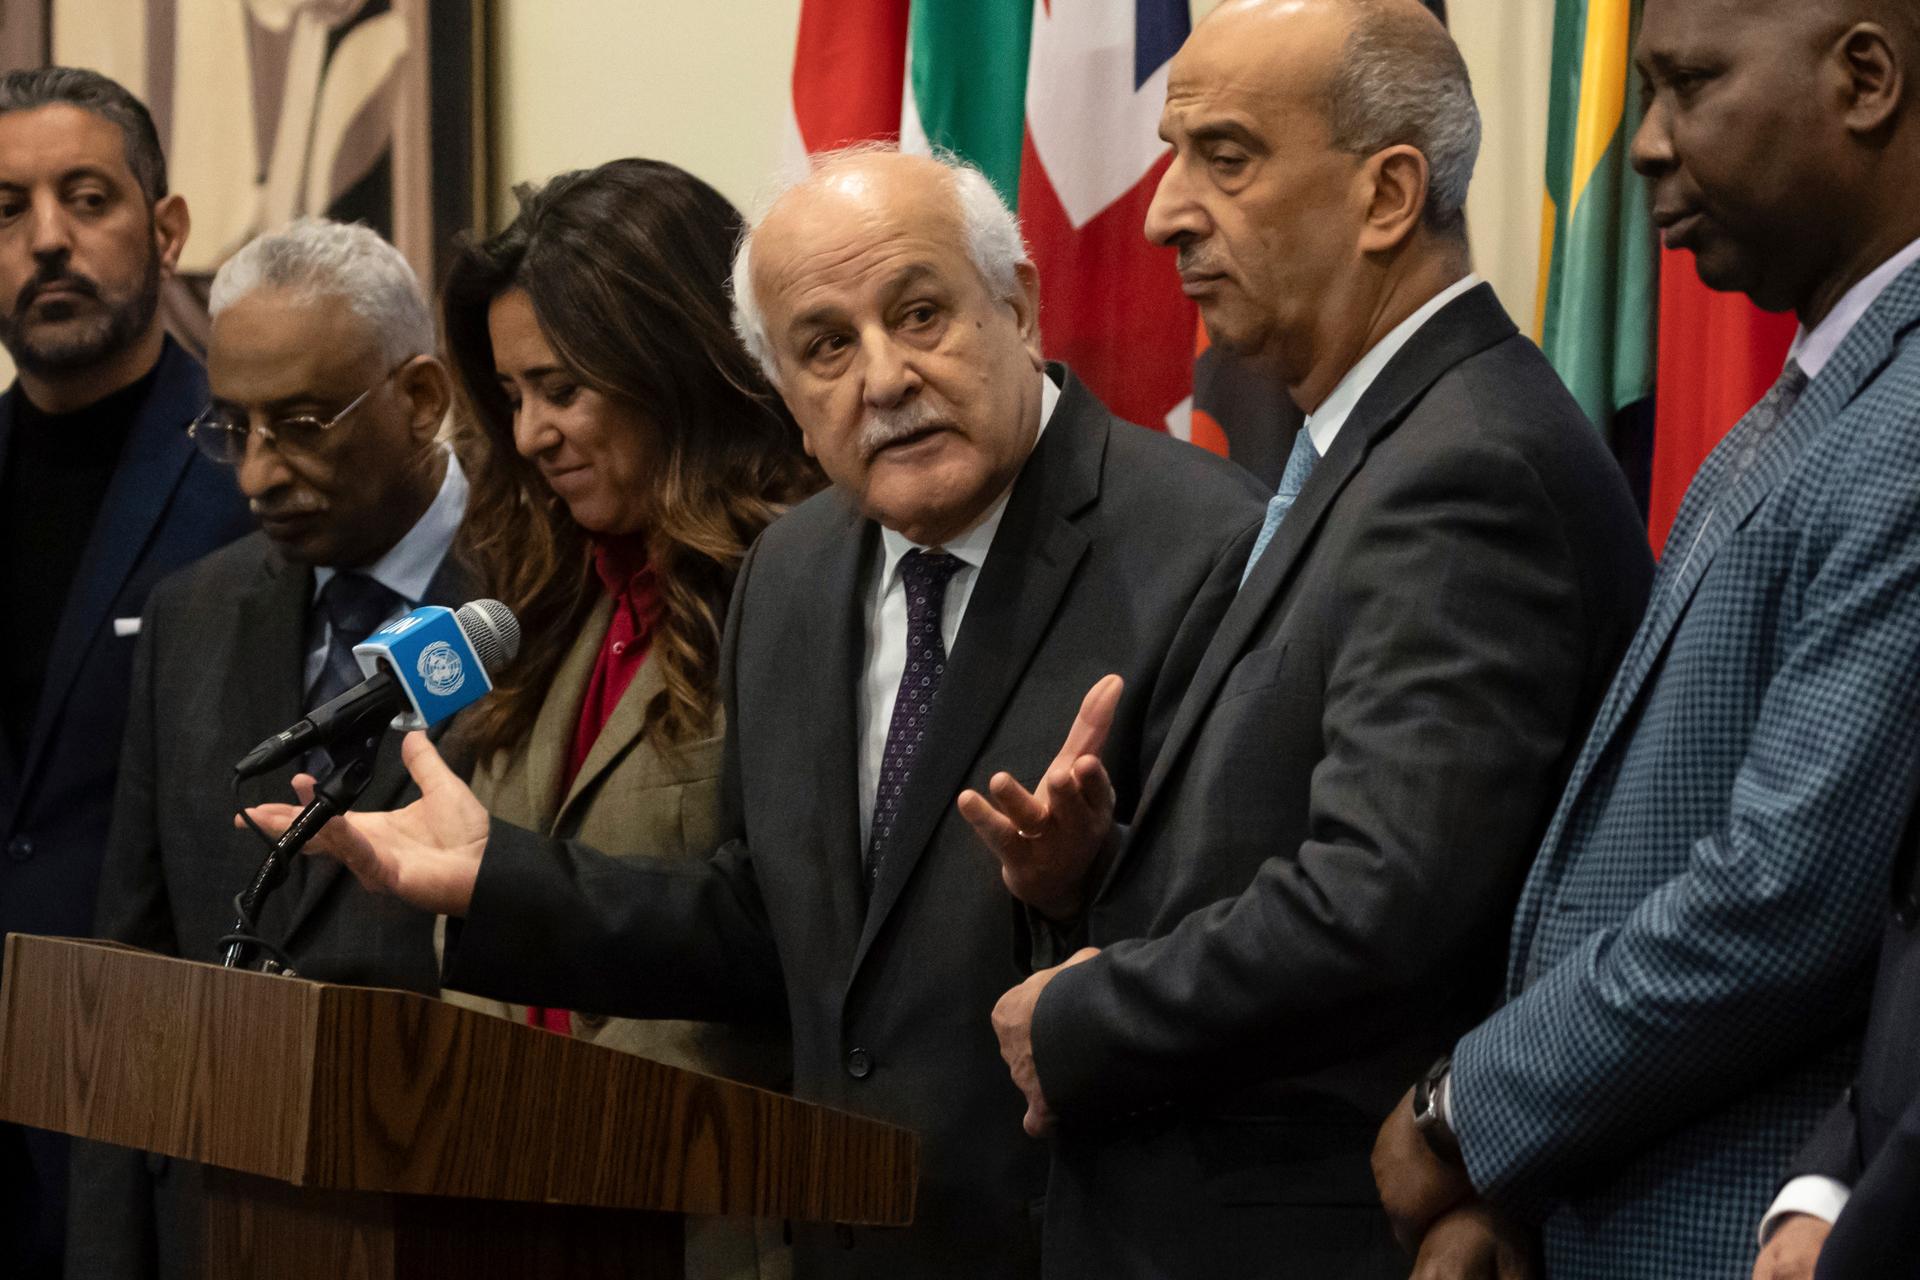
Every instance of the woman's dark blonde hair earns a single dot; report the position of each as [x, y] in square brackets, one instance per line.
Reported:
[626, 266]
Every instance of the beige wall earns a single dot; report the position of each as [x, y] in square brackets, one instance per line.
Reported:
[576, 82]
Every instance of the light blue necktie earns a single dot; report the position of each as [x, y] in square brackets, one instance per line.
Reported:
[1300, 465]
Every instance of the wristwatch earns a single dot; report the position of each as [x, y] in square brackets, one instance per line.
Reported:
[1428, 1117]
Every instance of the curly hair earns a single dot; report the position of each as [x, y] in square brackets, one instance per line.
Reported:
[626, 267]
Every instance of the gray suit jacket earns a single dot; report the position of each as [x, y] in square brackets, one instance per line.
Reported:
[1315, 893]
[220, 665]
[1114, 542]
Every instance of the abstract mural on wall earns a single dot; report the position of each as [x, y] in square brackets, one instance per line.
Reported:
[364, 110]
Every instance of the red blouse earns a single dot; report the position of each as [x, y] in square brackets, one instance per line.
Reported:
[621, 564]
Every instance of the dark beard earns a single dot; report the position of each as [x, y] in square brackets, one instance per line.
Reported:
[98, 341]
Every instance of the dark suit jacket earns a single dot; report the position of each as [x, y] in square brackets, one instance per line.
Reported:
[220, 666]
[1318, 882]
[165, 506]
[1870, 1141]
[1114, 540]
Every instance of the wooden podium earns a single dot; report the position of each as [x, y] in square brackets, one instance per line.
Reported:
[355, 1132]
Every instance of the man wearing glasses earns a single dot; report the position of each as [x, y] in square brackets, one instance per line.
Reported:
[326, 403]
[101, 496]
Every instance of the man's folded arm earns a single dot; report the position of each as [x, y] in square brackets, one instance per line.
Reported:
[556, 923]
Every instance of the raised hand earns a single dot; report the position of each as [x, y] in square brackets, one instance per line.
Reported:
[427, 854]
[1047, 839]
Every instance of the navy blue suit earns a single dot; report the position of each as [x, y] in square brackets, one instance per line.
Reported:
[166, 506]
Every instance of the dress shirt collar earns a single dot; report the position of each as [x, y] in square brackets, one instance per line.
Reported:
[970, 547]
[1813, 349]
[1324, 423]
[409, 565]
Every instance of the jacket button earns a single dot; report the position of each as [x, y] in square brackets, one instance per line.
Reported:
[20, 849]
[859, 1064]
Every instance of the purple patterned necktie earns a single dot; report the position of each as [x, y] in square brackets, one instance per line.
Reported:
[925, 575]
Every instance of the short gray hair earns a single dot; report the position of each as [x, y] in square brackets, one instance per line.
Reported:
[994, 244]
[320, 258]
[1402, 82]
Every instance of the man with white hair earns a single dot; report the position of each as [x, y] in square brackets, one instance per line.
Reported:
[327, 401]
[1317, 883]
[993, 541]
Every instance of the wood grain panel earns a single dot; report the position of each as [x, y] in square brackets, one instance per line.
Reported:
[367, 1090]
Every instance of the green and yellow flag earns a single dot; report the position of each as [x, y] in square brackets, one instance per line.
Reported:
[1600, 278]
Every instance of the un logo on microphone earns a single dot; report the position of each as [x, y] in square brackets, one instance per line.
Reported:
[441, 668]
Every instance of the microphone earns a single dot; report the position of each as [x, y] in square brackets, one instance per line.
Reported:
[421, 668]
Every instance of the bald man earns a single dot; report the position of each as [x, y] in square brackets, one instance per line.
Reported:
[1692, 950]
[993, 542]
[1313, 896]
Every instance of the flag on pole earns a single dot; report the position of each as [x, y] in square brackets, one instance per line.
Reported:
[849, 69]
[1599, 277]
[1111, 304]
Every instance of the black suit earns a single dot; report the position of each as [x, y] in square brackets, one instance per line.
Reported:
[1113, 541]
[1870, 1141]
[1321, 873]
[221, 664]
[165, 506]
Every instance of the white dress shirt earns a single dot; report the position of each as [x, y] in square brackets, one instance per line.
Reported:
[1816, 1196]
[1324, 423]
[887, 621]
[408, 567]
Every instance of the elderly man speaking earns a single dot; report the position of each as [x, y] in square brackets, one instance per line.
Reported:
[993, 542]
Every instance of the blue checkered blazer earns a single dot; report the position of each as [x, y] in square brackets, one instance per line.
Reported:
[1690, 952]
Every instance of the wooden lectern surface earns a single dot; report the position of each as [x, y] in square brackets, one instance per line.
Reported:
[360, 1089]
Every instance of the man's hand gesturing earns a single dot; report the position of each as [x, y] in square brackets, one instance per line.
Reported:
[1047, 839]
[427, 854]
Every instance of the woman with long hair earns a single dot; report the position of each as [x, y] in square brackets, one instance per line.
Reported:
[632, 451]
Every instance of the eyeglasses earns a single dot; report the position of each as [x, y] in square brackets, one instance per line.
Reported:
[221, 431]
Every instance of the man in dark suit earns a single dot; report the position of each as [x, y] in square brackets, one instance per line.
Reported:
[326, 401]
[101, 495]
[1851, 1202]
[1693, 944]
[993, 541]
[1315, 888]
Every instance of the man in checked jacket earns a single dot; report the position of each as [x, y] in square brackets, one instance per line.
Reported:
[1691, 952]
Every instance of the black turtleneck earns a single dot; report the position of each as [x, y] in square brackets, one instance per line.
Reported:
[52, 484]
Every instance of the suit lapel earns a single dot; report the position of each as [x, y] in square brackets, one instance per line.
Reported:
[1860, 357]
[1463, 328]
[829, 635]
[1028, 569]
[616, 737]
[152, 464]
[552, 739]
[268, 666]
[314, 878]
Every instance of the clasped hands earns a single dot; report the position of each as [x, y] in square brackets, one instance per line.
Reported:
[1437, 1215]
[427, 854]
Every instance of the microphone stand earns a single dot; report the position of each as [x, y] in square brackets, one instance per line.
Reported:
[332, 797]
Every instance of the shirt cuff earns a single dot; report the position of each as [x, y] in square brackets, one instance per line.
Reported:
[1815, 1196]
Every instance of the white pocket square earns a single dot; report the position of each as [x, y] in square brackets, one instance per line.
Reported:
[126, 626]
